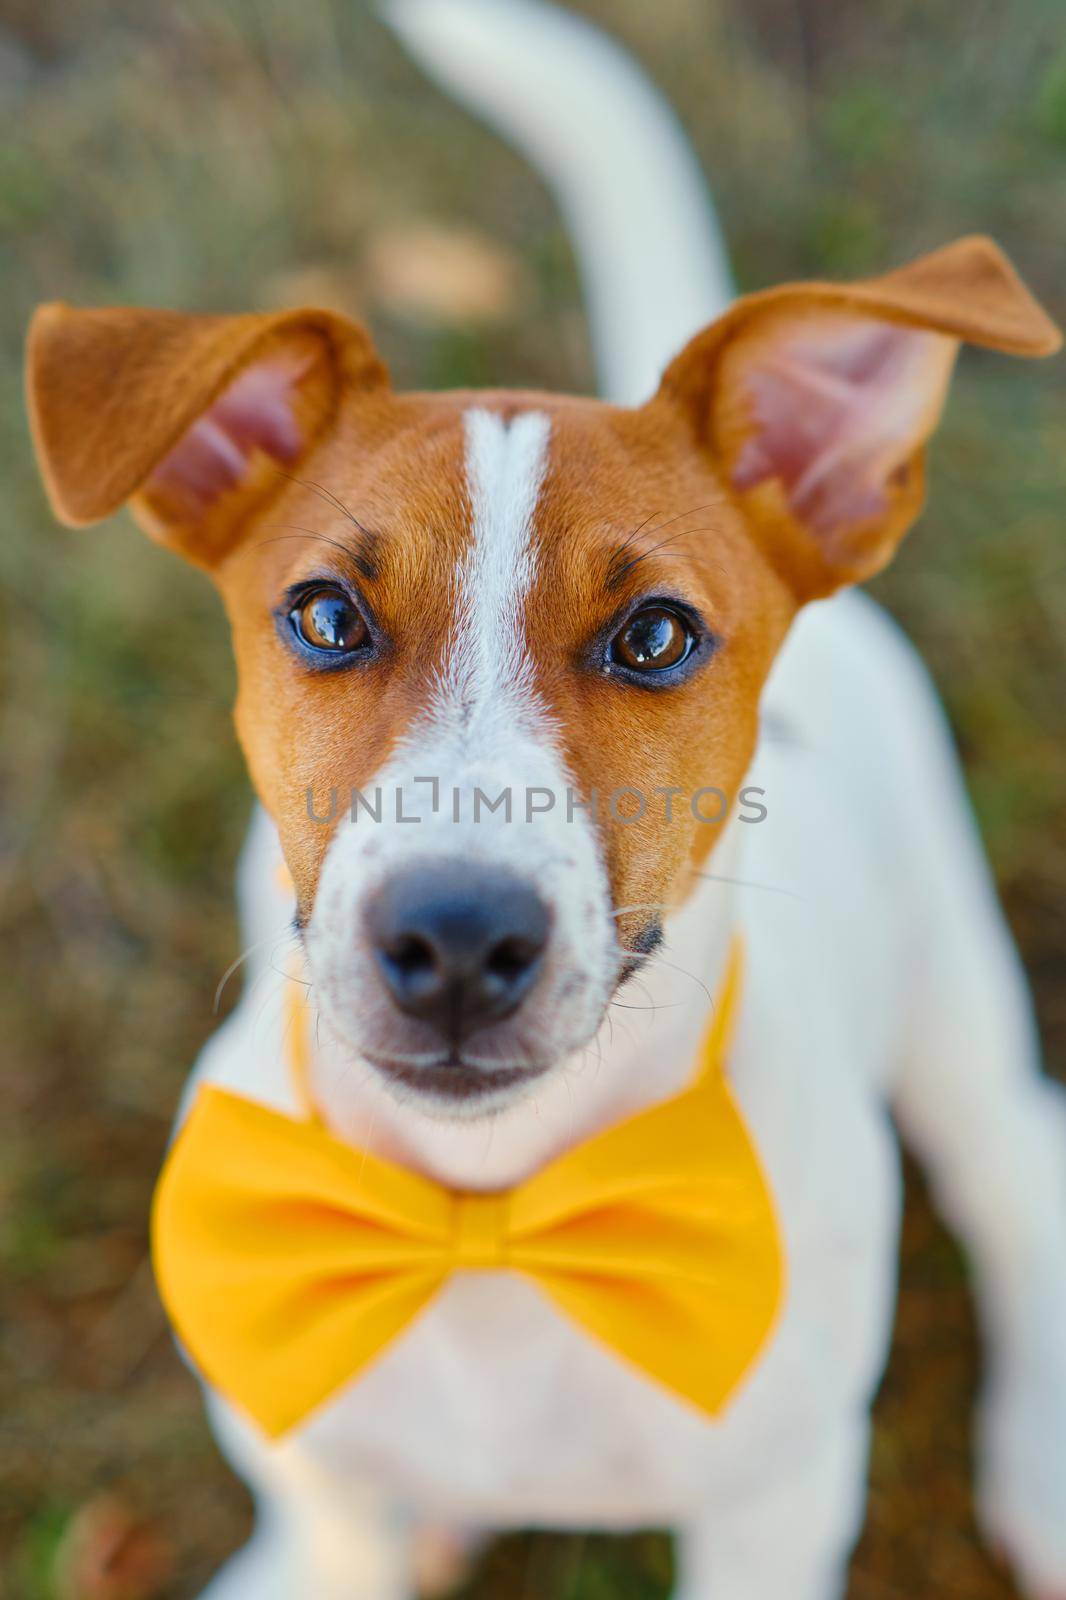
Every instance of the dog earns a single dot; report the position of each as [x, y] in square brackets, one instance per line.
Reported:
[628, 598]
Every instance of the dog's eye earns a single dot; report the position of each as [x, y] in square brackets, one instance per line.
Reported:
[326, 619]
[653, 639]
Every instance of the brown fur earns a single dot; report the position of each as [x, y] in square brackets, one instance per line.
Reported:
[115, 395]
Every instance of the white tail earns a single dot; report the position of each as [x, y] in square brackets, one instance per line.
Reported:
[652, 260]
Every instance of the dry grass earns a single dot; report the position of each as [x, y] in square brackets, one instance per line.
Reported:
[244, 154]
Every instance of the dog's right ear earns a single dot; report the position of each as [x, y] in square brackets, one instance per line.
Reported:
[188, 417]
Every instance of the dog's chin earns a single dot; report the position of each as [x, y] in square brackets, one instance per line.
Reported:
[492, 1072]
[455, 1087]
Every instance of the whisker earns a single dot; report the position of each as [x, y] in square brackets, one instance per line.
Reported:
[748, 883]
[713, 506]
[685, 974]
[630, 566]
[331, 498]
[637, 531]
[598, 1059]
[669, 1005]
[618, 554]
[290, 977]
[309, 533]
[273, 938]
[570, 1110]
[619, 568]
[638, 982]
[368, 1139]
[625, 910]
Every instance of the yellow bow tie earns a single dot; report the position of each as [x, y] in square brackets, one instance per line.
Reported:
[288, 1259]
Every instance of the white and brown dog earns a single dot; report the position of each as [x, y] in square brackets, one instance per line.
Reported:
[566, 597]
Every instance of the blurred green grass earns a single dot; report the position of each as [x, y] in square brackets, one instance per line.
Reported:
[246, 154]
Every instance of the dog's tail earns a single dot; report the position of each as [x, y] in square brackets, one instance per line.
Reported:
[651, 256]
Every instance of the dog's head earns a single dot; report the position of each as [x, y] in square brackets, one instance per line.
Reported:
[500, 654]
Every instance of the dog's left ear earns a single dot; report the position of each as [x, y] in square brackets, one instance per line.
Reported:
[816, 400]
[194, 419]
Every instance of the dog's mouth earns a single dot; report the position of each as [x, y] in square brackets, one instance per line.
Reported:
[471, 1076]
[454, 1079]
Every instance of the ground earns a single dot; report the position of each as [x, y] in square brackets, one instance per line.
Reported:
[272, 152]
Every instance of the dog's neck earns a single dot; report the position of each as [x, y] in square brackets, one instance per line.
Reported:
[645, 1050]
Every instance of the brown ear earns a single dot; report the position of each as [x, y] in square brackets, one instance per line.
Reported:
[192, 415]
[817, 400]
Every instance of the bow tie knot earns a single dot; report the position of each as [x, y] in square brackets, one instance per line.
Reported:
[479, 1230]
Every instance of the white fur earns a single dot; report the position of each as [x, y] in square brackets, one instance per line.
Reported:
[880, 975]
[489, 672]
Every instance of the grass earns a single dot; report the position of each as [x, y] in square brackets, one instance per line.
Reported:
[245, 155]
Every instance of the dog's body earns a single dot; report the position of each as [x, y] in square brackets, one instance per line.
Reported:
[879, 978]
[880, 974]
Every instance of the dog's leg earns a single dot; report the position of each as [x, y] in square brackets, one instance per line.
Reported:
[286, 1557]
[340, 1547]
[991, 1129]
[333, 1538]
[443, 1556]
[791, 1542]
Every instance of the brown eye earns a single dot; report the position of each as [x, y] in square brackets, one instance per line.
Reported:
[327, 620]
[652, 640]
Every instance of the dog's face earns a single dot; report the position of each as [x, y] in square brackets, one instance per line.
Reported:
[500, 655]
[552, 619]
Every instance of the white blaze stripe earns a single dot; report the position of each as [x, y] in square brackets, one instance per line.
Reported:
[504, 471]
[485, 733]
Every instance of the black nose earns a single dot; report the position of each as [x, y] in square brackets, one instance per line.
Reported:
[457, 945]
